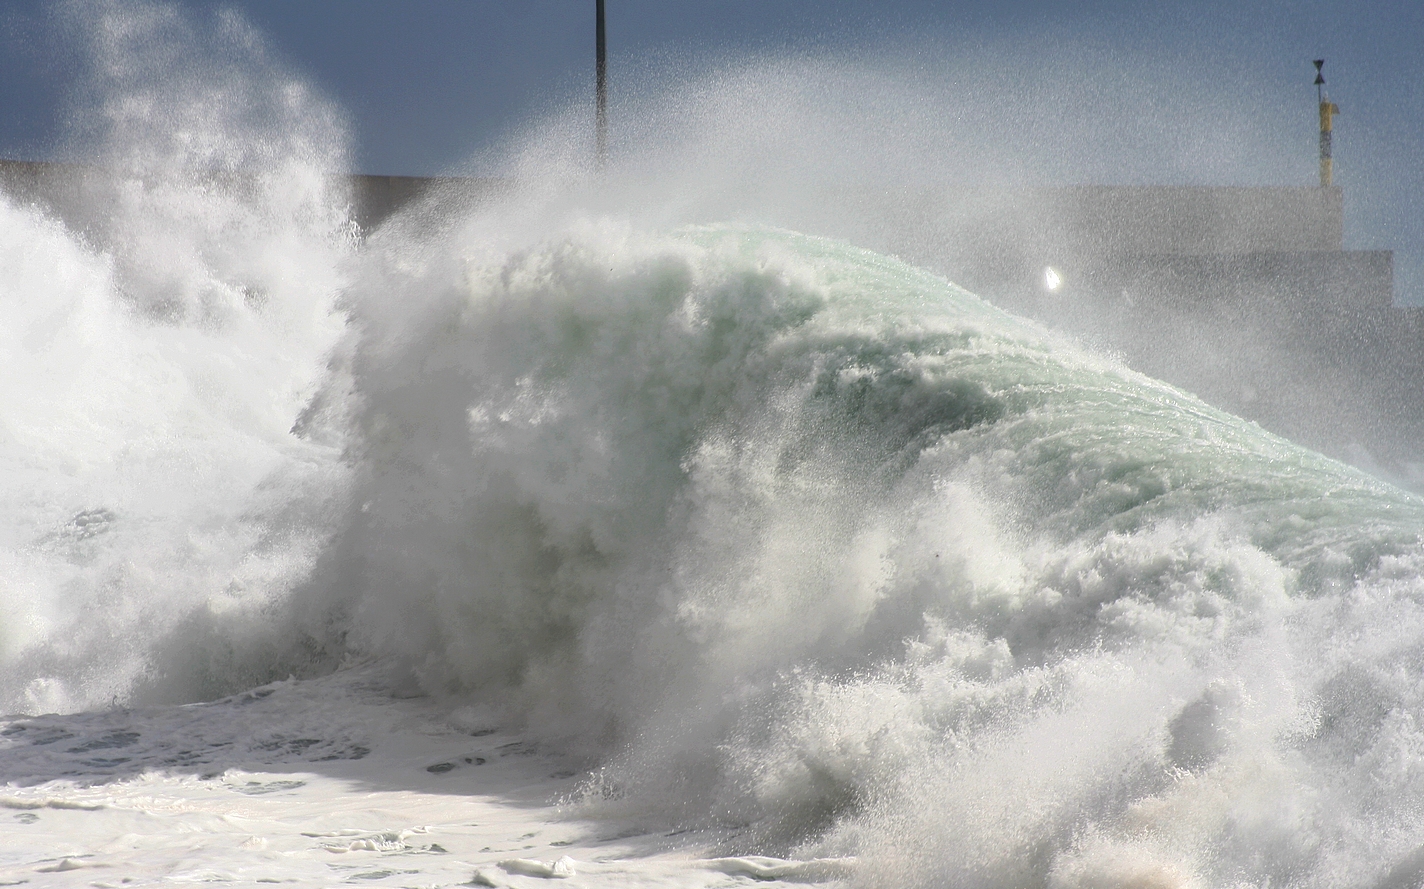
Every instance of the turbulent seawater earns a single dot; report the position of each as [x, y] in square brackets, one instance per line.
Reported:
[770, 546]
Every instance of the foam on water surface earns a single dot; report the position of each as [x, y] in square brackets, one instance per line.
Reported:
[315, 782]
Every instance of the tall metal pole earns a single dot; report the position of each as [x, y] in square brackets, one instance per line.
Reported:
[602, 90]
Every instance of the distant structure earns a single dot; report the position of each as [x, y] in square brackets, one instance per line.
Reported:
[1327, 114]
[1244, 296]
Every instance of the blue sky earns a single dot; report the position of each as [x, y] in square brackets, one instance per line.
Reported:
[429, 84]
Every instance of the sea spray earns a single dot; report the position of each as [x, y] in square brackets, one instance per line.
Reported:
[796, 546]
[806, 545]
[791, 542]
[165, 328]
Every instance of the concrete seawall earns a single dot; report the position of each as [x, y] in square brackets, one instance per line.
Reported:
[69, 189]
[1243, 296]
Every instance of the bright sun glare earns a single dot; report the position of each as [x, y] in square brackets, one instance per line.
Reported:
[1051, 279]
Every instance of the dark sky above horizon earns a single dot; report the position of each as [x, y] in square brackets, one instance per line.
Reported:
[429, 84]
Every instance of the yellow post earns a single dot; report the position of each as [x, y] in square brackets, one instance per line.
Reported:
[1328, 110]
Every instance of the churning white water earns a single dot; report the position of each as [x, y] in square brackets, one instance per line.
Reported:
[728, 551]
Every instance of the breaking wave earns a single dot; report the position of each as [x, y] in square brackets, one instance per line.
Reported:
[790, 539]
